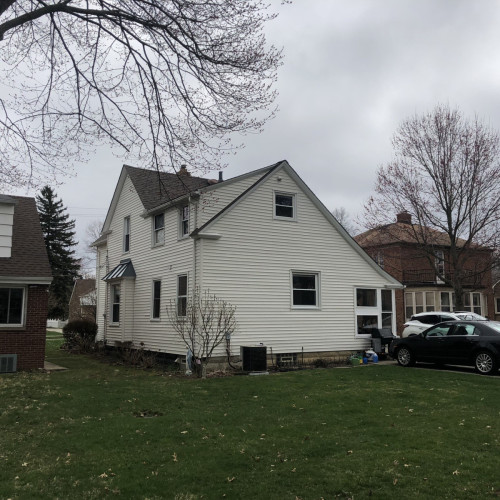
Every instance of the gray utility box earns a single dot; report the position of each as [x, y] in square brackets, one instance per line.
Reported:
[254, 358]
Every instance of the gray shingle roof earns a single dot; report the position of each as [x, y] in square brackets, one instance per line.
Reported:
[29, 256]
[156, 188]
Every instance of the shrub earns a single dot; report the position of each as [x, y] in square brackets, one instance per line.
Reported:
[80, 334]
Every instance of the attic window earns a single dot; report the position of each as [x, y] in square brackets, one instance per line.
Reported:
[126, 234]
[284, 206]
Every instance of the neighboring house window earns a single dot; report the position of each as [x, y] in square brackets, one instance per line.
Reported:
[374, 309]
[447, 301]
[386, 308]
[11, 306]
[472, 302]
[379, 259]
[155, 314]
[439, 263]
[115, 303]
[182, 295]
[408, 305]
[417, 302]
[126, 234]
[429, 301]
[497, 305]
[184, 221]
[159, 229]
[305, 289]
[284, 206]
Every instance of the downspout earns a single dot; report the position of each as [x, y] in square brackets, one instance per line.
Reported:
[106, 299]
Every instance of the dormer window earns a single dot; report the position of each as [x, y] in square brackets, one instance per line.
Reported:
[126, 234]
[184, 221]
[159, 229]
[284, 206]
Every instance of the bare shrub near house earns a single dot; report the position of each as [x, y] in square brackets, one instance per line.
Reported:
[203, 321]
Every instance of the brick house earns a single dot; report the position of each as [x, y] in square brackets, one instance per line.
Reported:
[395, 249]
[25, 276]
[82, 303]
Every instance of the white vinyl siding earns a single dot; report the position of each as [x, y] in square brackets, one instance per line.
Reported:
[168, 260]
[250, 267]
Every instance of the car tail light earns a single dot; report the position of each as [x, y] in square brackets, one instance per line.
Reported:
[406, 325]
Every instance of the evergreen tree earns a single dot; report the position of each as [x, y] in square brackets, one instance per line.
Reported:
[58, 232]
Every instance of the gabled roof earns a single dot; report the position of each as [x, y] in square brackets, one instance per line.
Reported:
[28, 255]
[82, 287]
[314, 199]
[156, 188]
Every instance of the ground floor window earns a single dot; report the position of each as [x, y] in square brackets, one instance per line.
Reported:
[11, 306]
[155, 313]
[182, 295]
[305, 289]
[115, 303]
[472, 302]
[374, 309]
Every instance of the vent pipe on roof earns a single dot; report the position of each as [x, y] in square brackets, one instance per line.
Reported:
[220, 177]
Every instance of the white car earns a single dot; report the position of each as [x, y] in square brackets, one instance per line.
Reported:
[469, 316]
[421, 321]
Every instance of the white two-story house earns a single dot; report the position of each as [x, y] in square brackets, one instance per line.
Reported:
[261, 241]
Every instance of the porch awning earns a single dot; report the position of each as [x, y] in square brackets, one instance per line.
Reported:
[124, 269]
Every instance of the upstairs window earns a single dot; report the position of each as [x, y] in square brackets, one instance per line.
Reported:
[11, 306]
[159, 229]
[439, 263]
[284, 206]
[126, 234]
[184, 221]
[305, 289]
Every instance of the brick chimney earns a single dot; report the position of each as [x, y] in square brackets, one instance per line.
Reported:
[403, 218]
[184, 171]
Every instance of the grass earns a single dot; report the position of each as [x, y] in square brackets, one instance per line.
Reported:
[100, 430]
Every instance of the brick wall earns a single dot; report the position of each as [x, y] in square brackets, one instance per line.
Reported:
[29, 342]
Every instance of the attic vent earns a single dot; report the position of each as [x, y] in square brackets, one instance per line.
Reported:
[8, 363]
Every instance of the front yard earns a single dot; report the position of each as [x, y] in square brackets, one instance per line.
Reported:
[101, 430]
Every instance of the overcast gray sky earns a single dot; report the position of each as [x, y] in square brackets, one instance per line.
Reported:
[353, 70]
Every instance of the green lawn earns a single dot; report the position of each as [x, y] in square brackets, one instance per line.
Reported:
[100, 430]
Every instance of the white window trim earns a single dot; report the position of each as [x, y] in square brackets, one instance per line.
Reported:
[495, 300]
[317, 275]
[154, 231]
[23, 307]
[152, 318]
[177, 296]
[181, 220]
[373, 310]
[294, 205]
[125, 234]
[112, 303]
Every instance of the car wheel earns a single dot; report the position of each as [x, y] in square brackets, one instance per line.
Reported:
[485, 363]
[405, 357]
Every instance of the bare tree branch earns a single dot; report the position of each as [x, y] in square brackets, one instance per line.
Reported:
[446, 175]
[166, 81]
